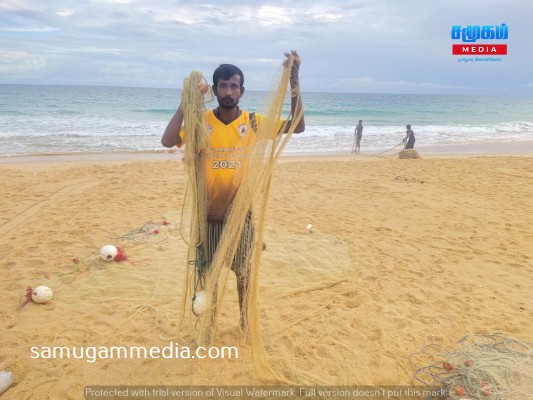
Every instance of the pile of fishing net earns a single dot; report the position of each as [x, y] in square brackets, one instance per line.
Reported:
[490, 367]
[408, 154]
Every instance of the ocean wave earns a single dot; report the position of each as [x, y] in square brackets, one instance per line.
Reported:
[165, 111]
[65, 119]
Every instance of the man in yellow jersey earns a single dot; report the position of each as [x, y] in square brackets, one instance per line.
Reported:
[232, 135]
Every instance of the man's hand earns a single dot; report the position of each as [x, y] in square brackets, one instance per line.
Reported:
[296, 99]
[294, 80]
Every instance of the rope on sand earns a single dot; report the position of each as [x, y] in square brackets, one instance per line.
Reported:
[399, 144]
[377, 154]
[145, 231]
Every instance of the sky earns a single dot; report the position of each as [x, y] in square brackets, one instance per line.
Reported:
[357, 46]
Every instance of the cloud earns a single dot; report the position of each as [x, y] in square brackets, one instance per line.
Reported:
[65, 13]
[20, 61]
[355, 45]
[30, 29]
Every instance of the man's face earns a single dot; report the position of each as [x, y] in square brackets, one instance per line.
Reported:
[229, 91]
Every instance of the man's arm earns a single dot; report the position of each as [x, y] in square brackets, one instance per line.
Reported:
[171, 136]
[296, 98]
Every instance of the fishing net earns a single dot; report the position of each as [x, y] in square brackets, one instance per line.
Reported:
[237, 242]
[491, 366]
[408, 154]
[131, 242]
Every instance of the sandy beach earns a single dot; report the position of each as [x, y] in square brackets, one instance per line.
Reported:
[403, 253]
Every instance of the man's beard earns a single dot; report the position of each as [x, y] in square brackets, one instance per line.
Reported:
[227, 105]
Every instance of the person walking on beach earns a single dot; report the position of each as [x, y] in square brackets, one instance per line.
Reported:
[409, 139]
[357, 139]
[232, 129]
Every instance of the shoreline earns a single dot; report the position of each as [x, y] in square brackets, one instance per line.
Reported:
[493, 149]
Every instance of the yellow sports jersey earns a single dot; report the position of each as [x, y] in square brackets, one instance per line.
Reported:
[230, 146]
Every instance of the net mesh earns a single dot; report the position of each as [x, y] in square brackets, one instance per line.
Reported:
[240, 237]
[483, 366]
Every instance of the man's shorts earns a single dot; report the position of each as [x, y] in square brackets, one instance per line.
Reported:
[241, 260]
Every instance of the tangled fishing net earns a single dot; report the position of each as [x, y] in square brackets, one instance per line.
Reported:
[239, 245]
[492, 367]
[408, 154]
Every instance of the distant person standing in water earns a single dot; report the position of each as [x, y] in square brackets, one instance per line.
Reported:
[409, 139]
[358, 134]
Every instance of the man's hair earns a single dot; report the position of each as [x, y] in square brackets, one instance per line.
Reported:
[225, 72]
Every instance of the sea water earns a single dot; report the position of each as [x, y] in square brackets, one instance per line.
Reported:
[68, 119]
